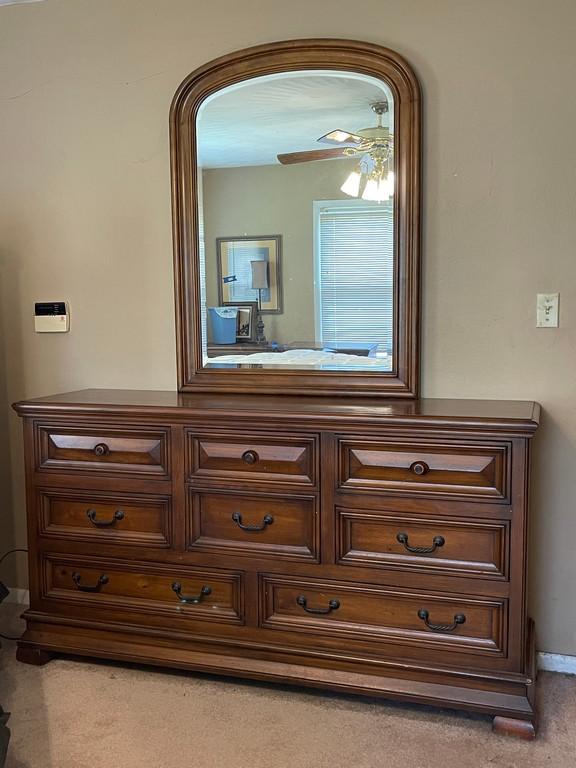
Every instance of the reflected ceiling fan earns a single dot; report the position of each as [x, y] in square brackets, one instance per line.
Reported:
[373, 179]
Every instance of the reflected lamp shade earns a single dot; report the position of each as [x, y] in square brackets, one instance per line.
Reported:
[352, 185]
[259, 274]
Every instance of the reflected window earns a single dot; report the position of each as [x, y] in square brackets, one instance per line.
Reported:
[354, 274]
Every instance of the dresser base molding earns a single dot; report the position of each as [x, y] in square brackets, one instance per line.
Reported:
[479, 694]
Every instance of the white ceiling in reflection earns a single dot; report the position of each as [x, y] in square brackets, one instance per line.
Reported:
[252, 122]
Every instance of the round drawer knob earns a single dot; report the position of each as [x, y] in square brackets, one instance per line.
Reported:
[250, 457]
[419, 468]
[101, 449]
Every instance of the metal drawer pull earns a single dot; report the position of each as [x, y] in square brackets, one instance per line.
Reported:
[437, 541]
[101, 449]
[250, 457]
[76, 578]
[333, 605]
[267, 520]
[91, 515]
[419, 468]
[459, 618]
[204, 592]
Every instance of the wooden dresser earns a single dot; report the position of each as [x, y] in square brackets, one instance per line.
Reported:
[362, 545]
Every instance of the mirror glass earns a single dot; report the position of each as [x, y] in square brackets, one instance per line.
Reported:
[297, 223]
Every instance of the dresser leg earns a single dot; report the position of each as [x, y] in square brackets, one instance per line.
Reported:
[509, 726]
[35, 656]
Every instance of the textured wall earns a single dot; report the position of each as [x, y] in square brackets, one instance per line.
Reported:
[85, 89]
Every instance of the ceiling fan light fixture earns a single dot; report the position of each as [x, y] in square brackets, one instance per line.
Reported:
[371, 191]
[383, 190]
[378, 187]
[389, 182]
[386, 187]
[352, 184]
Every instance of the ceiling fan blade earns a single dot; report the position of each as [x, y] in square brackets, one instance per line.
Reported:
[314, 154]
[340, 137]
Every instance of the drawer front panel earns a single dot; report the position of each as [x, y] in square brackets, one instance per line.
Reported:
[110, 518]
[425, 468]
[336, 610]
[263, 525]
[252, 458]
[392, 540]
[185, 593]
[103, 450]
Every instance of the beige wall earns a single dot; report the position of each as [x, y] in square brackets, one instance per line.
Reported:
[85, 89]
[272, 200]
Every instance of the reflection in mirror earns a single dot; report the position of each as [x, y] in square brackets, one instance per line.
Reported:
[296, 223]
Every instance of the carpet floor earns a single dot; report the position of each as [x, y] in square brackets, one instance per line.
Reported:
[80, 714]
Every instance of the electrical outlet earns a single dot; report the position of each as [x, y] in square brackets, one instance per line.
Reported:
[547, 310]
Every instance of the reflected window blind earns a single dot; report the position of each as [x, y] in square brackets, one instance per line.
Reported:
[355, 291]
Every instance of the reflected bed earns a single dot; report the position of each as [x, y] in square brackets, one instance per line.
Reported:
[305, 358]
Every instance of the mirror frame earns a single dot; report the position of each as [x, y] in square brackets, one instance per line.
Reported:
[286, 56]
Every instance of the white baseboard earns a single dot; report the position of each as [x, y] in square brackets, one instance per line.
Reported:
[550, 662]
[556, 662]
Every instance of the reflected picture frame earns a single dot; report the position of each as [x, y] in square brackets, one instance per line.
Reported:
[234, 255]
[246, 320]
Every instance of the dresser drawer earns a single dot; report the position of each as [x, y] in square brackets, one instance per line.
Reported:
[392, 540]
[251, 458]
[104, 517]
[147, 592]
[477, 471]
[283, 527]
[103, 450]
[336, 611]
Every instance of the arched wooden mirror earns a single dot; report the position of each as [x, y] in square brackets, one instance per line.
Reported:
[296, 200]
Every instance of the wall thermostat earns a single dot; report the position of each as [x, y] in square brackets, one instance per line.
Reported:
[51, 317]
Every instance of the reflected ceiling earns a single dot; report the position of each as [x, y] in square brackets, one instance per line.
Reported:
[251, 123]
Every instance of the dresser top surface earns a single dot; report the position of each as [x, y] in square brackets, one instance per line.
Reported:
[516, 413]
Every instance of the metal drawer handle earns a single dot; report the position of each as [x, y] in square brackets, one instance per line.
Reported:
[250, 457]
[204, 592]
[419, 468]
[91, 515]
[101, 449]
[267, 520]
[459, 618]
[437, 541]
[333, 605]
[76, 578]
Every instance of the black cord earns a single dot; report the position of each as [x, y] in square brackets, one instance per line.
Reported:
[10, 552]
[4, 556]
